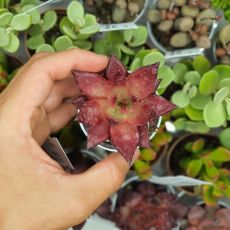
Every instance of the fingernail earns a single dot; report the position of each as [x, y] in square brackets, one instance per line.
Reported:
[135, 156]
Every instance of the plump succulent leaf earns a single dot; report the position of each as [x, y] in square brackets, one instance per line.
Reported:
[4, 38]
[75, 13]
[49, 20]
[221, 94]
[181, 99]
[180, 70]
[34, 42]
[45, 48]
[62, 43]
[13, 45]
[194, 167]
[166, 75]
[225, 137]
[198, 146]
[147, 154]
[35, 14]
[222, 70]
[21, 22]
[201, 64]
[193, 77]
[154, 57]
[199, 101]
[194, 114]
[5, 19]
[67, 28]
[220, 154]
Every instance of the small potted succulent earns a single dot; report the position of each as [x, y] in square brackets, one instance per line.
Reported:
[61, 29]
[141, 205]
[222, 45]
[120, 107]
[115, 11]
[202, 95]
[180, 24]
[205, 217]
[202, 157]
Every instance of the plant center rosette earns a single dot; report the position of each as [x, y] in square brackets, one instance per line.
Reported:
[118, 106]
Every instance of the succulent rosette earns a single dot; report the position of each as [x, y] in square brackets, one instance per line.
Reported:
[118, 106]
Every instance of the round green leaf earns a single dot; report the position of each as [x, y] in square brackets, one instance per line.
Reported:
[221, 94]
[200, 101]
[225, 137]
[194, 114]
[5, 18]
[90, 20]
[180, 69]
[67, 28]
[45, 48]
[192, 92]
[214, 114]
[4, 38]
[196, 127]
[34, 42]
[223, 71]
[49, 20]
[143, 52]
[180, 99]
[35, 14]
[35, 30]
[225, 83]
[115, 37]
[201, 64]
[193, 77]
[136, 63]
[153, 58]
[139, 36]
[180, 123]
[89, 30]
[125, 49]
[21, 22]
[166, 75]
[209, 82]
[86, 45]
[75, 13]
[62, 43]
[13, 44]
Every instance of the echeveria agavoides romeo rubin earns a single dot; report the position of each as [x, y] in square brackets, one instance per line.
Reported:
[118, 106]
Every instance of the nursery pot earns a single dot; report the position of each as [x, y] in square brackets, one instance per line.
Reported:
[177, 52]
[176, 152]
[106, 145]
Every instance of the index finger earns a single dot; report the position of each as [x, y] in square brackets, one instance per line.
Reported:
[33, 83]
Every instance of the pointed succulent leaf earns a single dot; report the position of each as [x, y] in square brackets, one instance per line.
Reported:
[199, 101]
[5, 19]
[45, 48]
[220, 154]
[222, 70]
[198, 146]
[35, 14]
[62, 43]
[209, 82]
[147, 154]
[180, 99]
[115, 71]
[166, 75]
[214, 114]
[221, 94]
[21, 22]
[143, 136]
[225, 137]
[141, 82]
[4, 38]
[180, 69]
[49, 20]
[75, 12]
[13, 44]
[154, 57]
[138, 38]
[78, 101]
[160, 105]
[35, 41]
[91, 84]
[125, 138]
[194, 167]
[98, 133]
[201, 64]
[194, 114]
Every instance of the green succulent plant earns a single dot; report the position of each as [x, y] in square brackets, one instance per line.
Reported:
[205, 163]
[14, 20]
[222, 5]
[203, 97]
[58, 31]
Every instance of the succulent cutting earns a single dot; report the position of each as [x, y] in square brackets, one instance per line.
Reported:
[120, 107]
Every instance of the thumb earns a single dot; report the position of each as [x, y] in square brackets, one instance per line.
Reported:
[99, 182]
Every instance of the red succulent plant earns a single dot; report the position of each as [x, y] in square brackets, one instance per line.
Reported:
[119, 106]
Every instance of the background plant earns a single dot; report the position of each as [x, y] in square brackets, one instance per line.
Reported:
[222, 5]
[208, 164]
[58, 30]
[202, 95]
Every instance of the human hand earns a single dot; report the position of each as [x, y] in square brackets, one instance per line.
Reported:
[35, 192]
